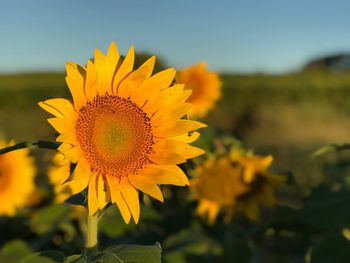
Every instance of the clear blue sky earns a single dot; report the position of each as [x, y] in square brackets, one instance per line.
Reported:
[244, 36]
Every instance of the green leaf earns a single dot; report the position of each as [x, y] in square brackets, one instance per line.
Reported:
[112, 223]
[323, 210]
[289, 196]
[331, 148]
[49, 256]
[335, 249]
[75, 259]
[129, 253]
[237, 252]
[14, 251]
[188, 242]
[38, 259]
[326, 209]
[49, 217]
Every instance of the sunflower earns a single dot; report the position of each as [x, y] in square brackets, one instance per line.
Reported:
[217, 185]
[205, 86]
[235, 182]
[58, 174]
[124, 130]
[17, 172]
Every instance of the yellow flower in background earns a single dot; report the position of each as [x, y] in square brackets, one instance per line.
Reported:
[235, 182]
[124, 130]
[58, 174]
[17, 173]
[217, 185]
[261, 183]
[205, 86]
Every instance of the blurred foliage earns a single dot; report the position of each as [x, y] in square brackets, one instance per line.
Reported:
[14, 251]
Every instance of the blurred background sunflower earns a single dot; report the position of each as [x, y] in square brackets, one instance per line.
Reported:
[238, 181]
[17, 174]
[58, 173]
[205, 86]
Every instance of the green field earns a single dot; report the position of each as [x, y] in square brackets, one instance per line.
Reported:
[289, 116]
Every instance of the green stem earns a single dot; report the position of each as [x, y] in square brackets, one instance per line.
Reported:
[92, 230]
[22, 145]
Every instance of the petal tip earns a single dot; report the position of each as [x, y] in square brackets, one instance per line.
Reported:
[202, 125]
[113, 45]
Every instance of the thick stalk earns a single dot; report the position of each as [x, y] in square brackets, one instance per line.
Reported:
[92, 230]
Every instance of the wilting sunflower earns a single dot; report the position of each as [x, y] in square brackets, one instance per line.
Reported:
[235, 182]
[17, 172]
[58, 175]
[205, 86]
[124, 130]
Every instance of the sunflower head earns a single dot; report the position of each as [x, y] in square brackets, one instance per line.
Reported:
[124, 130]
[205, 86]
[17, 173]
[234, 182]
[217, 185]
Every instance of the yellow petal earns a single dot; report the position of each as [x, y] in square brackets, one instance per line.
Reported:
[50, 109]
[106, 66]
[145, 185]
[131, 198]
[208, 208]
[249, 174]
[104, 73]
[129, 85]
[80, 178]
[151, 87]
[101, 192]
[165, 174]
[73, 154]
[166, 157]
[99, 57]
[160, 81]
[181, 148]
[187, 137]
[175, 128]
[92, 195]
[173, 112]
[91, 83]
[68, 137]
[213, 213]
[116, 196]
[75, 72]
[124, 69]
[149, 64]
[64, 147]
[75, 81]
[113, 55]
[59, 107]
[62, 125]
[161, 98]
[266, 162]
[184, 96]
